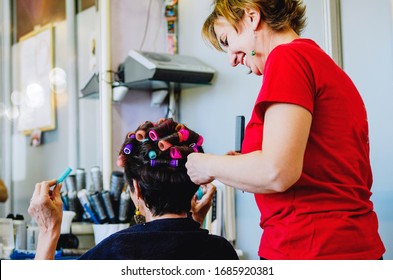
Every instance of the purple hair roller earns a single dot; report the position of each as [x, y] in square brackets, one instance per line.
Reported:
[173, 163]
[196, 147]
[127, 149]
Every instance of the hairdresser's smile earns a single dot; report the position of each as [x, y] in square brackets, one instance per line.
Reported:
[245, 61]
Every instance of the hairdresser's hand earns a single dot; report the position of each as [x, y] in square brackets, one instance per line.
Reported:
[233, 153]
[46, 208]
[197, 168]
[199, 208]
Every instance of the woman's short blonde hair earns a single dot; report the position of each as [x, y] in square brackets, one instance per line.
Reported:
[278, 14]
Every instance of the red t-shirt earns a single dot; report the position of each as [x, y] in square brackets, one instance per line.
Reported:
[327, 213]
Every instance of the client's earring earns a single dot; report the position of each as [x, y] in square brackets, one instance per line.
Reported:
[138, 217]
[252, 53]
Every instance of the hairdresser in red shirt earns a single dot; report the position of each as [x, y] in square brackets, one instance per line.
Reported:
[305, 154]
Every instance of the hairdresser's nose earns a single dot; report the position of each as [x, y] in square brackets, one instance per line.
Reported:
[233, 58]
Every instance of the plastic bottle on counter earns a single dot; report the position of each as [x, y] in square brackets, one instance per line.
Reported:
[32, 235]
[20, 228]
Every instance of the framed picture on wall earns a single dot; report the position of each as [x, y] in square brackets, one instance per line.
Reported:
[37, 108]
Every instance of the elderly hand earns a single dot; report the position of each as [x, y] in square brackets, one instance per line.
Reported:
[199, 208]
[46, 208]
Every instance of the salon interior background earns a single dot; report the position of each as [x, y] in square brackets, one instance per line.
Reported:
[366, 53]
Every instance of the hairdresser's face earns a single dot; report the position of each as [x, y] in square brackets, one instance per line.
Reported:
[238, 45]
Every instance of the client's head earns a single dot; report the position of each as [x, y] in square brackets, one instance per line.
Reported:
[154, 158]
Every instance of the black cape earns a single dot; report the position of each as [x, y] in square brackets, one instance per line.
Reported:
[165, 239]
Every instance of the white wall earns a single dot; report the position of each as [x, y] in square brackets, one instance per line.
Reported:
[31, 165]
[368, 58]
[212, 109]
[135, 25]
[2, 109]
[89, 108]
[129, 25]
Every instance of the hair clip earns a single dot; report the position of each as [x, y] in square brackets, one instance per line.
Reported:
[127, 149]
[144, 140]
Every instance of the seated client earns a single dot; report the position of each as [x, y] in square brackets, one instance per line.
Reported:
[154, 159]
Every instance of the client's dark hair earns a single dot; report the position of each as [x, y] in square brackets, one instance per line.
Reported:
[155, 156]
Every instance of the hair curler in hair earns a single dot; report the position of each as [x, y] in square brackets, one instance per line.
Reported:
[162, 162]
[190, 136]
[127, 149]
[179, 126]
[170, 140]
[165, 127]
[196, 148]
[177, 152]
[140, 133]
[131, 135]
[152, 154]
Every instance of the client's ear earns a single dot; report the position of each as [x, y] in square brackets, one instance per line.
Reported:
[136, 188]
[120, 161]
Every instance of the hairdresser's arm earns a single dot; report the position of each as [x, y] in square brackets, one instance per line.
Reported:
[46, 208]
[274, 169]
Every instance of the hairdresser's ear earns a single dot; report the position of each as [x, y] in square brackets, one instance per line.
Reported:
[252, 17]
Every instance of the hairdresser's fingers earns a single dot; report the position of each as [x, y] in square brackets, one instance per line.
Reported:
[233, 153]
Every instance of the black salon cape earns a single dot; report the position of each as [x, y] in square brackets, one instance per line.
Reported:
[165, 239]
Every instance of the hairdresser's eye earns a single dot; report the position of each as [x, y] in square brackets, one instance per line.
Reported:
[224, 42]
